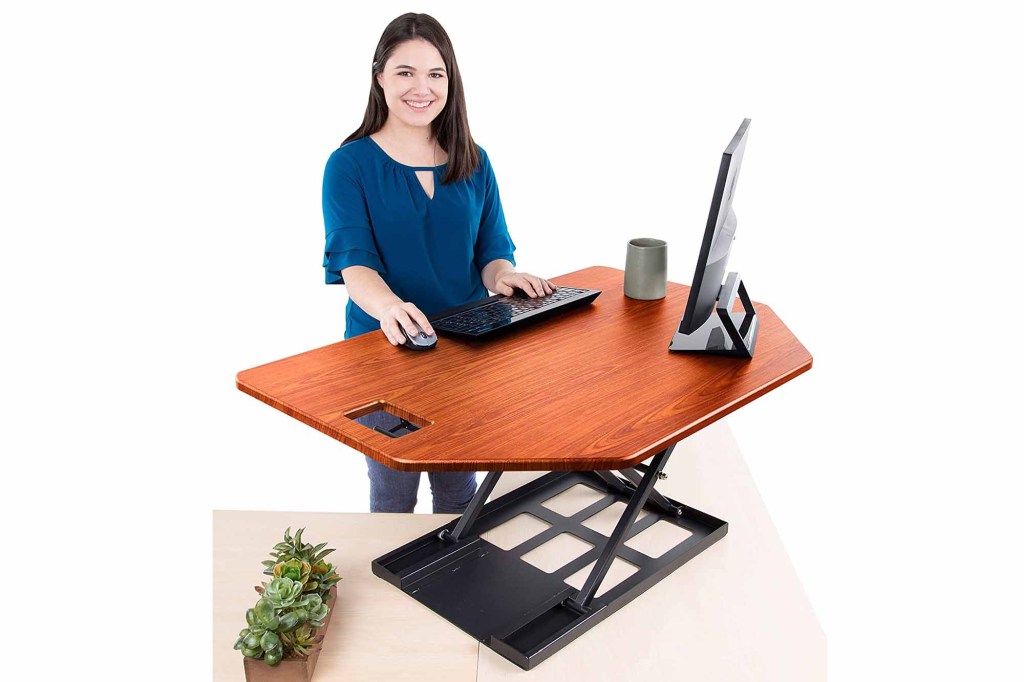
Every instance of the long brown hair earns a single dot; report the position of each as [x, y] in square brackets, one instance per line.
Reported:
[451, 127]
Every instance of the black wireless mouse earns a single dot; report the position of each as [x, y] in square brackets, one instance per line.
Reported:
[420, 341]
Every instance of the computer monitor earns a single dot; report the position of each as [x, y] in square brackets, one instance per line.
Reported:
[700, 329]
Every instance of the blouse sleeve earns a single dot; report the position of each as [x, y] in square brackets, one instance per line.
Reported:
[493, 240]
[346, 221]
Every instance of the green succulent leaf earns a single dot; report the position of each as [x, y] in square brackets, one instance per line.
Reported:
[250, 617]
[321, 555]
[298, 538]
[252, 641]
[269, 641]
[289, 622]
[252, 653]
[264, 610]
[273, 657]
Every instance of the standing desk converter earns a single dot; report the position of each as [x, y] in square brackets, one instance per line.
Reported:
[588, 395]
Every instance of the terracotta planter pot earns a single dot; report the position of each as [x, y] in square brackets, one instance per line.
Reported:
[290, 669]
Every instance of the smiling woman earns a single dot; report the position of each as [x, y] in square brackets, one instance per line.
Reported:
[413, 219]
[424, 90]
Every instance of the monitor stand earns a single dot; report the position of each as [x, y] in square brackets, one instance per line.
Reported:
[725, 332]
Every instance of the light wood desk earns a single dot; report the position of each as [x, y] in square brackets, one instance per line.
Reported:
[589, 393]
[738, 614]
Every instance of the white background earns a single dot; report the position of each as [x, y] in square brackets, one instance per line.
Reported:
[161, 167]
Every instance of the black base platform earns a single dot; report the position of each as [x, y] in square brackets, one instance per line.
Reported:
[520, 611]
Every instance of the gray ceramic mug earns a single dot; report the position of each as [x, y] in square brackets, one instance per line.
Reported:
[646, 269]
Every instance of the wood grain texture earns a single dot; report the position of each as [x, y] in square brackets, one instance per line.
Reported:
[596, 388]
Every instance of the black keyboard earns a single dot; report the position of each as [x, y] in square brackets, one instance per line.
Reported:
[496, 313]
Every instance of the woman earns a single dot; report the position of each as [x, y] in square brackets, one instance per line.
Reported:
[413, 219]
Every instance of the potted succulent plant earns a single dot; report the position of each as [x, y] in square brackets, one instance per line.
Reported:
[284, 630]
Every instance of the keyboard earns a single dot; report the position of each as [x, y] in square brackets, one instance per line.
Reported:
[496, 313]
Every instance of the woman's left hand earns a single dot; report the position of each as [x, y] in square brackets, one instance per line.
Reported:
[531, 285]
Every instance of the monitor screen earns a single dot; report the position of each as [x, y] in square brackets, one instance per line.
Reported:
[718, 236]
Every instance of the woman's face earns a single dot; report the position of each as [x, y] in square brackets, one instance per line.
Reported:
[415, 83]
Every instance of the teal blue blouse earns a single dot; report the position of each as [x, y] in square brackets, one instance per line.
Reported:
[428, 251]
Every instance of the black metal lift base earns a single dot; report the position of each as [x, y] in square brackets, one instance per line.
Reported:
[520, 611]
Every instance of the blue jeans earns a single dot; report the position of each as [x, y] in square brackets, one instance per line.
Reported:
[395, 491]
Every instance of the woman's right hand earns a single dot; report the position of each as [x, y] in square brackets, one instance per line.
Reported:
[403, 314]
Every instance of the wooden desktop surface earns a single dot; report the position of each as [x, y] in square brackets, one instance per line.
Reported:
[596, 388]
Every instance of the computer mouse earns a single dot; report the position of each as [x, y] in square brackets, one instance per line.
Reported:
[420, 341]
